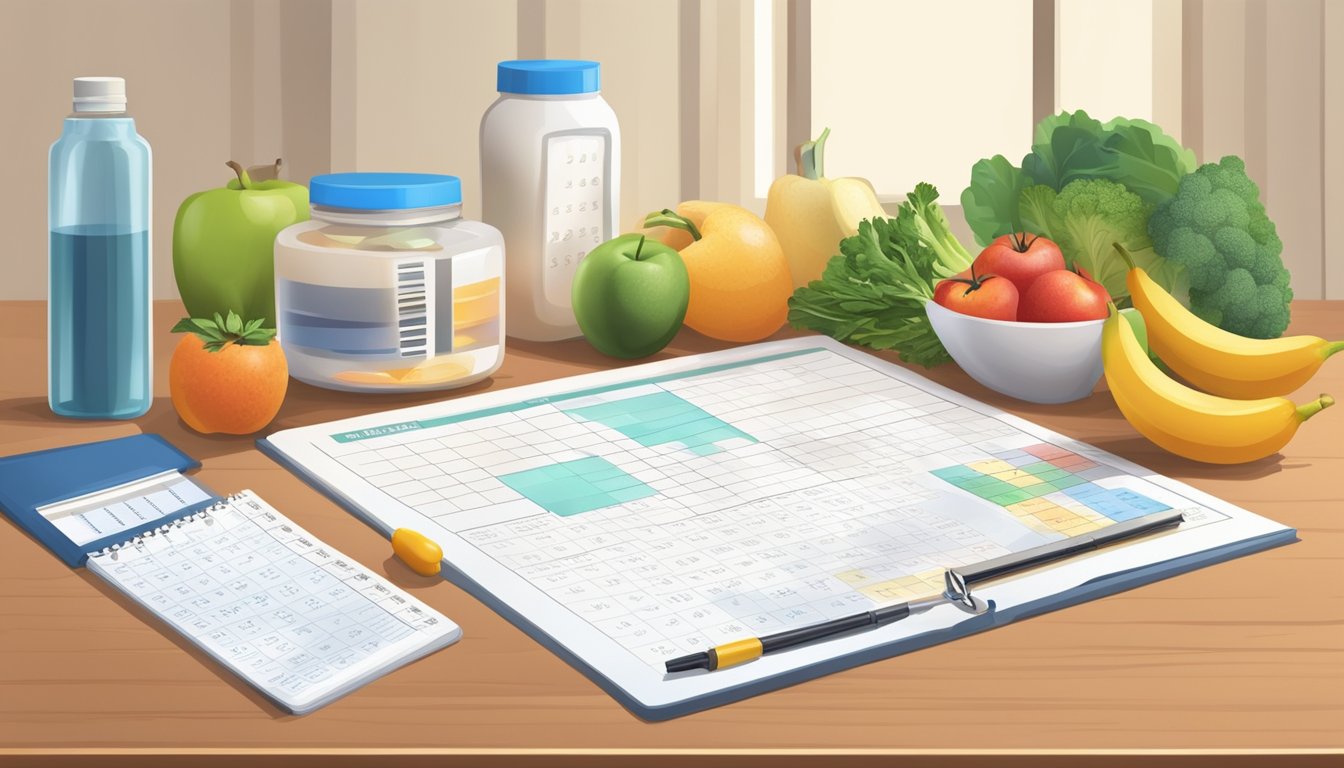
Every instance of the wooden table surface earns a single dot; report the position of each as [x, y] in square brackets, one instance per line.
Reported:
[1225, 665]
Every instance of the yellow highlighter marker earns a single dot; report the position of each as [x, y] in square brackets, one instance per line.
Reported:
[417, 551]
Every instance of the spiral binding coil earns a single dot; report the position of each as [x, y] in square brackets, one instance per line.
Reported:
[201, 514]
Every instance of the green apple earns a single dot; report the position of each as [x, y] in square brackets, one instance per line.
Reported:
[224, 245]
[630, 296]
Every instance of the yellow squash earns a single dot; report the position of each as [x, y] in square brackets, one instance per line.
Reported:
[811, 214]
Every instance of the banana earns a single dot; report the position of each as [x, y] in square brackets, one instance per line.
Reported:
[1190, 423]
[1216, 361]
[1209, 454]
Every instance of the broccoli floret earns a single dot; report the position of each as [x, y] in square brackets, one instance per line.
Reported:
[1087, 218]
[1217, 229]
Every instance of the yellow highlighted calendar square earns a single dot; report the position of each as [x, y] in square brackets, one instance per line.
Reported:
[1033, 507]
[1010, 474]
[1060, 520]
[887, 590]
[931, 579]
[854, 577]
[1086, 526]
[990, 466]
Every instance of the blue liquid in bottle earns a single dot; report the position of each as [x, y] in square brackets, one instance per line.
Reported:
[99, 352]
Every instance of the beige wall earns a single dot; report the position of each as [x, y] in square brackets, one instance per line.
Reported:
[1332, 165]
[174, 55]
[1119, 81]
[933, 135]
[423, 74]
[637, 44]
[1269, 85]
[401, 85]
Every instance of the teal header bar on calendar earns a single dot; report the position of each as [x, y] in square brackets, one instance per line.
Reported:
[390, 429]
[408, 426]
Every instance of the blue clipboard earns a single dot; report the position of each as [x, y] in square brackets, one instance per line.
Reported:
[30, 481]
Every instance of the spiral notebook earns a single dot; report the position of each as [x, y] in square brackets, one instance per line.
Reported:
[296, 619]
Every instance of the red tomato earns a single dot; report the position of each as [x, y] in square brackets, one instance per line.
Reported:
[1062, 296]
[987, 296]
[1021, 257]
[1096, 287]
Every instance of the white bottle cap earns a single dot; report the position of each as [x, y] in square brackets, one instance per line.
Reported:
[100, 94]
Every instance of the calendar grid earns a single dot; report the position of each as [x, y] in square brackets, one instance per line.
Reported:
[804, 493]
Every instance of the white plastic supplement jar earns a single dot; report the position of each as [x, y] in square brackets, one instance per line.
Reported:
[387, 289]
[550, 178]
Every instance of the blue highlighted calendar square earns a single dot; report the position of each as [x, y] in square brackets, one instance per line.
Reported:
[573, 487]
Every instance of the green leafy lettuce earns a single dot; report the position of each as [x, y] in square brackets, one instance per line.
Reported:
[990, 203]
[1087, 218]
[1085, 184]
[1068, 147]
[873, 293]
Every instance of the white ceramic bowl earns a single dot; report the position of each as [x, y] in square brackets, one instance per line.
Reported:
[1036, 362]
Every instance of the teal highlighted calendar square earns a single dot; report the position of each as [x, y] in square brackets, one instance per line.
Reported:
[574, 487]
[662, 418]
[954, 473]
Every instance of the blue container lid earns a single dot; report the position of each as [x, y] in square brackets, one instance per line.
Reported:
[548, 77]
[384, 191]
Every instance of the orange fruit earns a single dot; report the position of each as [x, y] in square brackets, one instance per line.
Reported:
[237, 390]
[740, 281]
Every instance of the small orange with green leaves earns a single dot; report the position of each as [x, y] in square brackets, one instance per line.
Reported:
[227, 375]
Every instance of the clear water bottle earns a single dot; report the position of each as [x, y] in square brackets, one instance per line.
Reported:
[98, 310]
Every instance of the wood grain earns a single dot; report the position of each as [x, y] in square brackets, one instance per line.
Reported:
[1245, 655]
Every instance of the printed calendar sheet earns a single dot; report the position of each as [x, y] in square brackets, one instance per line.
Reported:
[636, 515]
[298, 620]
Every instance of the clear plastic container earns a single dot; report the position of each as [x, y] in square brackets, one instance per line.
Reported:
[550, 181]
[98, 312]
[387, 289]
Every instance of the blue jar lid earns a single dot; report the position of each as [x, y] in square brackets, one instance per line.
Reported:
[548, 77]
[384, 191]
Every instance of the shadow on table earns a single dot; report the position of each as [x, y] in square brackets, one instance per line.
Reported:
[35, 412]
[1140, 451]
[400, 574]
[162, 419]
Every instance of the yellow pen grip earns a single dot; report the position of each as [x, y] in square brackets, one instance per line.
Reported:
[737, 652]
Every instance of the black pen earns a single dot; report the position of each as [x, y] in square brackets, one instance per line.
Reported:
[959, 582]
[748, 649]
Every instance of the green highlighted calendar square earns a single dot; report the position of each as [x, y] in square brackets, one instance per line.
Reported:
[1011, 497]
[1014, 477]
[573, 487]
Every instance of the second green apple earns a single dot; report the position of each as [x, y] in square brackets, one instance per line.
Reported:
[630, 296]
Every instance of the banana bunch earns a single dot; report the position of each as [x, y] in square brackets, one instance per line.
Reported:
[1219, 362]
[1241, 416]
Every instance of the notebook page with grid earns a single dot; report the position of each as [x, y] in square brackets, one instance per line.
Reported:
[633, 516]
[298, 620]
